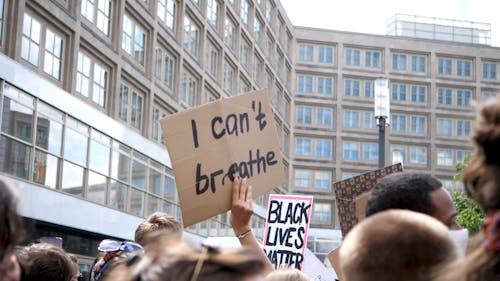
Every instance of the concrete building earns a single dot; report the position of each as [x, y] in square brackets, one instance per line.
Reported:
[84, 84]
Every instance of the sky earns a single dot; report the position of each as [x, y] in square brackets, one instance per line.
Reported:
[370, 16]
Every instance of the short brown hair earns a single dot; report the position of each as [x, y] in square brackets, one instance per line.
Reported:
[11, 227]
[287, 274]
[396, 245]
[157, 222]
[45, 262]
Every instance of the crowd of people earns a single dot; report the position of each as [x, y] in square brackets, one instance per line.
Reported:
[405, 236]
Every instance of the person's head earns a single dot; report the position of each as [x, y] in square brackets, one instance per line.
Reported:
[395, 245]
[417, 192]
[158, 222]
[183, 262]
[45, 262]
[287, 274]
[10, 222]
[78, 274]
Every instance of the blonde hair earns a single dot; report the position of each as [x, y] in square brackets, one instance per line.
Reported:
[287, 274]
[158, 222]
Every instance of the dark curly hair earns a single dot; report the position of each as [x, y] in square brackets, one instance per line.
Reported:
[11, 227]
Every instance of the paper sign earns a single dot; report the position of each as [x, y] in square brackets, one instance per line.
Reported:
[334, 257]
[347, 190]
[211, 144]
[315, 269]
[287, 225]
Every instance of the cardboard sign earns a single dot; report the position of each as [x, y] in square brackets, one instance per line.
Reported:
[360, 204]
[211, 144]
[287, 225]
[334, 257]
[347, 190]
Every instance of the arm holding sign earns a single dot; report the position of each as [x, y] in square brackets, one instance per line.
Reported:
[241, 213]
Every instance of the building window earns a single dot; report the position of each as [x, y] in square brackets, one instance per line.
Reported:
[418, 63]
[370, 151]
[464, 68]
[419, 125]
[444, 96]
[369, 89]
[189, 87]
[230, 33]
[352, 88]
[304, 114]
[461, 154]
[323, 148]
[1, 20]
[245, 53]
[212, 59]
[418, 94]
[444, 66]
[325, 54]
[444, 127]
[351, 119]
[324, 116]
[97, 15]
[165, 67]
[303, 147]
[489, 70]
[398, 92]
[352, 57]
[463, 128]
[158, 113]
[167, 12]
[245, 11]
[418, 155]
[131, 106]
[228, 77]
[398, 123]
[91, 79]
[305, 83]
[324, 85]
[51, 58]
[303, 178]
[322, 213]
[213, 8]
[399, 62]
[369, 121]
[444, 157]
[258, 31]
[305, 52]
[191, 36]
[399, 149]
[486, 95]
[133, 39]
[372, 59]
[322, 180]
[351, 150]
[464, 98]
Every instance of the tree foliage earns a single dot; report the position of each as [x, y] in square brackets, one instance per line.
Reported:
[469, 214]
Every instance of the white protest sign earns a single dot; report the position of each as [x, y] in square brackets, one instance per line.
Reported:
[287, 225]
[315, 269]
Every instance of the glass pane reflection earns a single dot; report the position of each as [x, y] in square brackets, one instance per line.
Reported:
[117, 195]
[120, 166]
[97, 188]
[48, 134]
[75, 147]
[99, 157]
[45, 169]
[155, 181]
[15, 159]
[139, 174]
[136, 202]
[153, 205]
[72, 179]
[17, 118]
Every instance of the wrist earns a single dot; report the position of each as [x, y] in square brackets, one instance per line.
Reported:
[244, 234]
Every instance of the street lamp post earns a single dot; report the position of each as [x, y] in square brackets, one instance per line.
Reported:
[382, 110]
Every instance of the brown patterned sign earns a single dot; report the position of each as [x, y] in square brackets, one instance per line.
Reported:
[347, 190]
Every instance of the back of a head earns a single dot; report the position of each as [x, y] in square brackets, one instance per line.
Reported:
[157, 222]
[10, 222]
[45, 262]
[183, 262]
[408, 191]
[396, 245]
[287, 274]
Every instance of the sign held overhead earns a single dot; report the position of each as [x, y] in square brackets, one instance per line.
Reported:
[211, 144]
